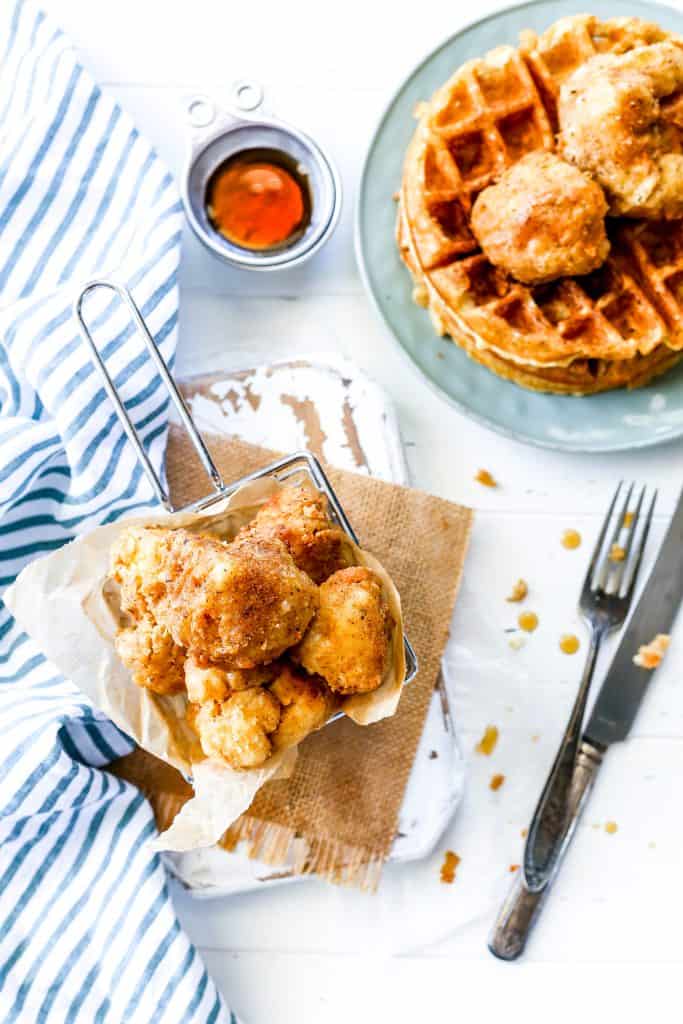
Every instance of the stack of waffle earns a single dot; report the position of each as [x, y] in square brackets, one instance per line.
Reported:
[619, 326]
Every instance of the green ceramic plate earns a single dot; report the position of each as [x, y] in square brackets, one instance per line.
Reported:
[615, 421]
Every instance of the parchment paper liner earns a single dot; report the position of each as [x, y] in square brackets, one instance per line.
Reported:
[67, 606]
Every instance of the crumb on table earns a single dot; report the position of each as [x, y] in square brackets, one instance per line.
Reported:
[513, 868]
[519, 591]
[650, 655]
[516, 643]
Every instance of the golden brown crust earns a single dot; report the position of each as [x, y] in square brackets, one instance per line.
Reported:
[542, 220]
[239, 604]
[580, 376]
[618, 326]
[155, 661]
[239, 729]
[307, 704]
[297, 516]
[613, 126]
[348, 641]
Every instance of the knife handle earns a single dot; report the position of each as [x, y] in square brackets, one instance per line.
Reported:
[521, 908]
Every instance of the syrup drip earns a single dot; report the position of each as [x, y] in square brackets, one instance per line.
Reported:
[569, 644]
[528, 621]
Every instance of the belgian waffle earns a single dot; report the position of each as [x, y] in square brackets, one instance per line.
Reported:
[566, 335]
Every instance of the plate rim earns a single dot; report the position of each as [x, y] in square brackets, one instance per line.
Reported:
[574, 447]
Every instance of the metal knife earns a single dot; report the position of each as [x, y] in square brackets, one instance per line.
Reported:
[613, 714]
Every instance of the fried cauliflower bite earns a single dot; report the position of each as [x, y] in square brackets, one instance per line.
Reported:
[307, 703]
[210, 682]
[239, 604]
[348, 641]
[155, 660]
[238, 730]
[612, 126]
[298, 517]
[542, 220]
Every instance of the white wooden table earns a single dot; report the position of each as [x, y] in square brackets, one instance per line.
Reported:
[309, 952]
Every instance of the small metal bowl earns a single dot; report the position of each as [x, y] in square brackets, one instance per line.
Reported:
[219, 135]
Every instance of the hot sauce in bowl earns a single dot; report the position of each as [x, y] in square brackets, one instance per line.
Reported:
[259, 199]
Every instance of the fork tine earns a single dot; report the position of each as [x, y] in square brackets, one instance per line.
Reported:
[599, 542]
[639, 554]
[632, 527]
[607, 565]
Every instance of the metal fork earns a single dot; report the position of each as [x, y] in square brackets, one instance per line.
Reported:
[604, 603]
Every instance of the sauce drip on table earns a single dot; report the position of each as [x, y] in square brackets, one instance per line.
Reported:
[571, 539]
[259, 200]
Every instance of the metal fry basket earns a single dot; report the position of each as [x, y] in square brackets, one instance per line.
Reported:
[302, 462]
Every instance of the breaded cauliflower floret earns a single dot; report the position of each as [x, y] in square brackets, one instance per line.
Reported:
[542, 220]
[210, 682]
[298, 517]
[241, 604]
[348, 641]
[237, 730]
[155, 661]
[306, 702]
[613, 126]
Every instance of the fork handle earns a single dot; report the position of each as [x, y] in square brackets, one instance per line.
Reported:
[521, 908]
[550, 817]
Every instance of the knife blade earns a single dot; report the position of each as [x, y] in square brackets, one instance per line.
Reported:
[626, 684]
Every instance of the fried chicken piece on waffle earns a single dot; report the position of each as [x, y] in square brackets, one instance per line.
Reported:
[298, 517]
[307, 703]
[542, 220]
[238, 730]
[211, 682]
[155, 660]
[612, 126]
[239, 604]
[348, 641]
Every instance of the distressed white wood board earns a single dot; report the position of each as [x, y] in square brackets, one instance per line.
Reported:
[333, 409]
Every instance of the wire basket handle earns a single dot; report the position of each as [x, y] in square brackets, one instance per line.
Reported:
[202, 451]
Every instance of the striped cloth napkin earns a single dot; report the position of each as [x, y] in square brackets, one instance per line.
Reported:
[88, 932]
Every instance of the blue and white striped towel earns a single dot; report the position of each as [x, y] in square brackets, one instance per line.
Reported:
[88, 933]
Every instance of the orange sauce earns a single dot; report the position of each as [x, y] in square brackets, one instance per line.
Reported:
[256, 202]
[484, 477]
[449, 866]
[528, 621]
[487, 744]
[496, 782]
[569, 644]
[571, 539]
